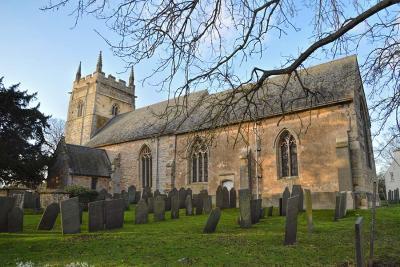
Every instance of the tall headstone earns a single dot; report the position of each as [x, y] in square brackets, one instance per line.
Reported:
[343, 204]
[49, 217]
[212, 221]
[142, 212]
[175, 206]
[358, 242]
[150, 204]
[6, 204]
[70, 216]
[147, 193]
[159, 208]
[207, 204]
[189, 192]
[137, 197]
[291, 220]
[19, 200]
[280, 206]
[337, 207]
[15, 220]
[96, 216]
[114, 213]
[244, 207]
[225, 198]
[199, 204]
[285, 197]
[189, 205]
[125, 197]
[182, 197]
[132, 194]
[219, 197]
[310, 224]
[232, 198]
[29, 202]
[297, 190]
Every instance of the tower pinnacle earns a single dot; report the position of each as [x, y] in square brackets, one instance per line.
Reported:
[78, 73]
[99, 66]
[132, 86]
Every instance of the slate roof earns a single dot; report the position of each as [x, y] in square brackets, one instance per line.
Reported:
[87, 161]
[328, 83]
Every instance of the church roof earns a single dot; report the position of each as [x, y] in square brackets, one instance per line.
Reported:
[321, 85]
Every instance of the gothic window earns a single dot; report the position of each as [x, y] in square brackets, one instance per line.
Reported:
[287, 151]
[146, 167]
[199, 162]
[80, 109]
[367, 145]
[115, 110]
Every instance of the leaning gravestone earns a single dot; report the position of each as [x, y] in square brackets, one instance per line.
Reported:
[150, 204]
[189, 205]
[49, 217]
[159, 208]
[291, 220]
[232, 198]
[212, 221]
[297, 190]
[337, 207]
[225, 198]
[207, 204]
[70, 217]
[114, 213]
[244, 207]
[219, 198]
[6, 204]
[310, 225]
[96, 216]
[182, 197]
[132, 194]
[142, 212]
[175, 206]
[15, 220]
[285, 197]
[343, 204]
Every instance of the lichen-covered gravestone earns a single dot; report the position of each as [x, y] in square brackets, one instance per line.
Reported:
[96, 216]
[70, 216]
[232, 198]
[142, 212]
[175, 206]
[285, 197]
[297, 190]
[49, 217]
[189, 205]
[132, 194]
[244, 207]
[6, 204]
[219, 197]
[114, 213]
[159, 208]
[15, 220]
[212, 221]
[291, 220]
[310, 225]
[182, 197]
[207, 204]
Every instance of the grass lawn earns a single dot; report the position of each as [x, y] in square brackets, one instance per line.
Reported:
[181, 242]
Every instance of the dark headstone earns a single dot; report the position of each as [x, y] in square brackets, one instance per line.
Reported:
[168, 203]
[157, 193]
[137, 197]
[114, 213]
[6, 204]
[337, 207]
[189, 192]
[253, 211]
[212, 221]
[232, 198]
[297, 190]
[225, 197]
[29, 202]
[219, 198]
[182, 197]
[263, 213]
[244, 207]
[150, 204]
[159, 208]
[189, 205]
[125, 197]
[270, 211]
[70, 216]
[142, 212]
[199, 204]
[259, 208]
[310, 225]
[96, 216]
[280, 206]
[343, 204]
[285, 197]
[207, 204]
[19, 200]
[49, 217]
[132, 194]
[291, 220]
[175, 206]
[15, 220]
[147, 193]
[359, 242]
[390, 196]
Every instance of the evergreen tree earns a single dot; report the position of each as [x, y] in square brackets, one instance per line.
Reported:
[22, 127]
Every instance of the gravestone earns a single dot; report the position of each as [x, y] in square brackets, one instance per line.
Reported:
[147, 194]
[244, 207]
[168, 203]
[297, 190]
[232, 198]
[310, 225]
[150, 204]
[125, 197]
[195, 199]
[212, 221]
[6, 204]
[207, 204]
[358, 242]
[280, 206]
[70, 216]
[49, 217]
[15, 220]
[199, 204]
[114, 213]
[31, 200]
[175, 206]
[159, 208]
[102, 194]
[142, 212]
[19, 200]
[390, 196]
[219, 197]
[270, 211]
[285, 197]
[116, 196]
[182, 197]
[96, 216]
[343, 204]
[137, 197]
[253, 207]
[132, 194]
[263, 213]
[189, 192]
[189, 205]
[291, 220]
[337, 207]
[157, 193]
[225, 198]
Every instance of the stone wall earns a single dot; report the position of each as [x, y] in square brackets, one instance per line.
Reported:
[50, 196]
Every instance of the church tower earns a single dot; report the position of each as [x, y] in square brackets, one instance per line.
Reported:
[94, 100]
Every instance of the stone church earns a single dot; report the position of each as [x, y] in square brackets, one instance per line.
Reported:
[311, 129]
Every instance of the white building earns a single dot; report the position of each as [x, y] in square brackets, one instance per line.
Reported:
[392, 175]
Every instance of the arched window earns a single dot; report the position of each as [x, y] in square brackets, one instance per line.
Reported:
[80, 109]
[115, 110]
[365, 126]
[146, 167]
[199, 162]
[287, 151]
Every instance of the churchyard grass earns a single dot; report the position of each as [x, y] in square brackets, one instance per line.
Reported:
[182, 242]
